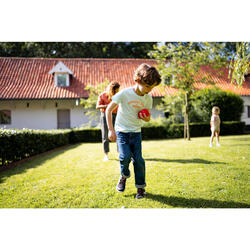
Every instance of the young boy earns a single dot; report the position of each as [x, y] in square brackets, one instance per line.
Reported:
[128, 125]
[215, 126]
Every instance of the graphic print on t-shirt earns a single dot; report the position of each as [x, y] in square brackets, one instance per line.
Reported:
[137, 104]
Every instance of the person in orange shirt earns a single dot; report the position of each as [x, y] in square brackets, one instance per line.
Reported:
[103, 100]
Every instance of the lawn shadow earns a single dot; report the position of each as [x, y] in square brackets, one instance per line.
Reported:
[185, 161]
[113, 159]
[238, 145]
[175, 201]
[28, 163]
[240, 139]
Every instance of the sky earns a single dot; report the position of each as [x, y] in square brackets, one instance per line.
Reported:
[110, 20]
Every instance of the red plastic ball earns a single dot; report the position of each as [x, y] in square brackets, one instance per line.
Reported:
[143, 113]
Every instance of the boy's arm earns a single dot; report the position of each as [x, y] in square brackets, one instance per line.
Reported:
[110, 108]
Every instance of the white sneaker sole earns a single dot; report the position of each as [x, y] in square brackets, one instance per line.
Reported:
[120, 191]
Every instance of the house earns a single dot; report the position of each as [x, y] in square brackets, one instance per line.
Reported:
[44, 93]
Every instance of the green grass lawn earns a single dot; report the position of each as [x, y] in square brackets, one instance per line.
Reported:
[179, 174]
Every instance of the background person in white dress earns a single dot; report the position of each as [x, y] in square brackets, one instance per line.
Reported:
[215, 126]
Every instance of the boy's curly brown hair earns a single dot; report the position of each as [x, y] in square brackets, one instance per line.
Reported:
[146, 74]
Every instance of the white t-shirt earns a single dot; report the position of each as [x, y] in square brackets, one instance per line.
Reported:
[129, 105]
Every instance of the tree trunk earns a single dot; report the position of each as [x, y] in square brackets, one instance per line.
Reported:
[188, 131]
[186, 121]
[185, 125]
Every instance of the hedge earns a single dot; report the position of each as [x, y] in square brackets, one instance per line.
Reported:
[196, 130]
[20, 144]
[85, 135]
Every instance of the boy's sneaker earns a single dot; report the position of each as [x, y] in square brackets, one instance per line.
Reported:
[140, 193]
[121, 184]
[218, 144]
[210, 145]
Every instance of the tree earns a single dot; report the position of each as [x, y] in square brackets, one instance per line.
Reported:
[239, 65]
[179, 65]
[173, 107]
[77, 49]
[13, 49]
[89, 104]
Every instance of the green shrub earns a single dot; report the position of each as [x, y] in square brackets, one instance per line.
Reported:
[19, 144]
[85, 135]
[154, 132]
[232, 128]
[230, 104]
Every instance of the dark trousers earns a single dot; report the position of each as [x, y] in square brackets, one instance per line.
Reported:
[104, 128]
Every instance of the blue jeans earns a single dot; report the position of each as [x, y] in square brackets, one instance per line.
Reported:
[129, 145]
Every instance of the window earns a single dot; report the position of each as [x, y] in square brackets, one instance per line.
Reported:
[168, 80]
[5, 116]
[247, 78]
[62, 80]
[61, 75]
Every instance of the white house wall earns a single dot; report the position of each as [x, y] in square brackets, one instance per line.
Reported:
[41, 114]
[154, 112]
[244, 116]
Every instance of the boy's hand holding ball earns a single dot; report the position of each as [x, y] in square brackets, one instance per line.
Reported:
[144, 115]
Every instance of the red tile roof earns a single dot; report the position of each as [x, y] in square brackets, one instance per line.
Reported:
[223, 82]
[29, 78]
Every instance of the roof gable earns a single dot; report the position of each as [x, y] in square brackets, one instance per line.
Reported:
[60, 68]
